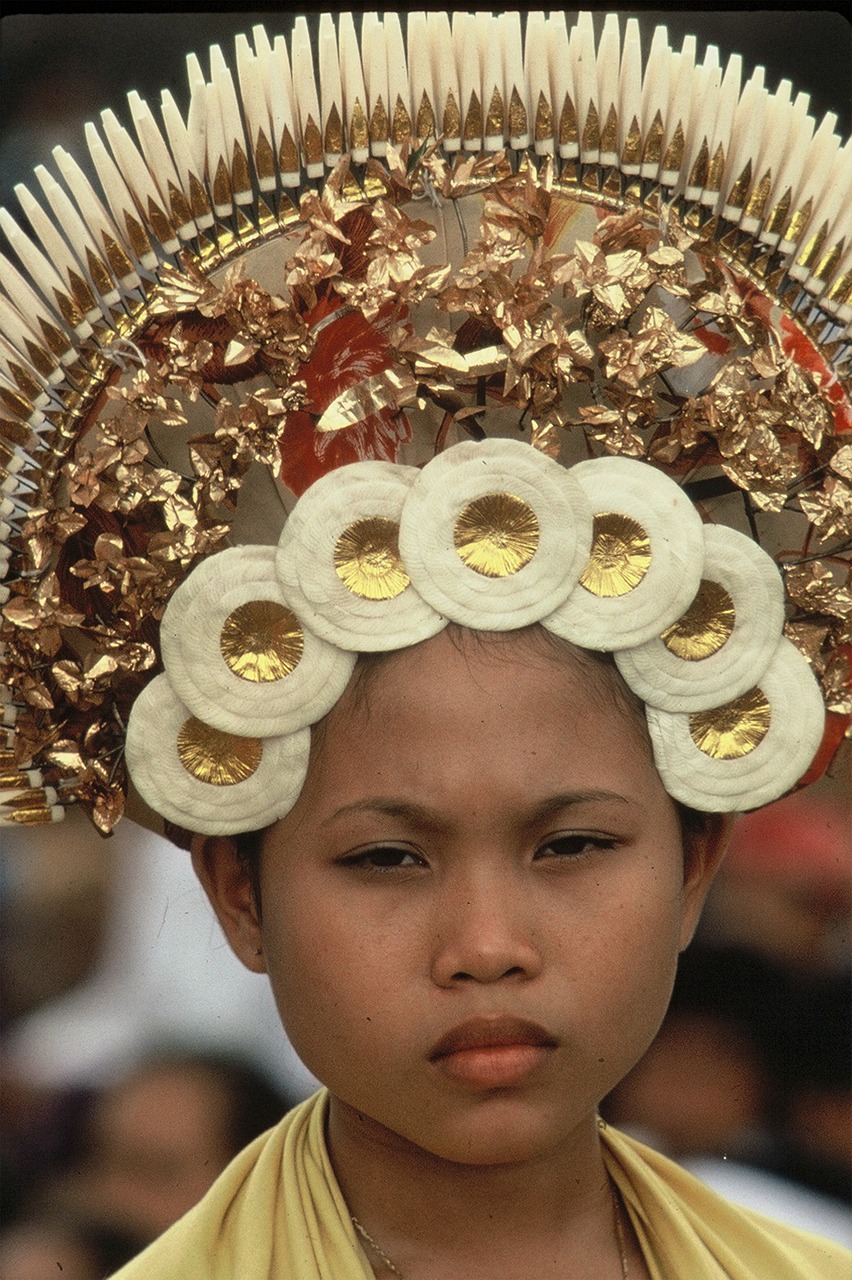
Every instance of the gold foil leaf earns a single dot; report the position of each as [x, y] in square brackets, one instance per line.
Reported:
[496, 535]
[842, 462]
[367, 560]
[220, 759]
[389, 389]
[261, 641]
[544, 436]
[734, 730]
[706, 625]
[831, 509]
[620, 556]
[815, 588]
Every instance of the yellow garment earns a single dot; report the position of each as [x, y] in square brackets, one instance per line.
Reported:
[277, 1213]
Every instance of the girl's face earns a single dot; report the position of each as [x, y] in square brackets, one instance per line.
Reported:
[471, 917]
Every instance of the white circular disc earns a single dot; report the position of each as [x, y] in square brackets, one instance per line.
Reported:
[156, 719]
[639, 491]
[752, 581]
[305, 561]
[192, 653]
[771, 769]
[472, 471]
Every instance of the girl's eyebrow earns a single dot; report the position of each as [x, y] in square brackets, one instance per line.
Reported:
[428, 819]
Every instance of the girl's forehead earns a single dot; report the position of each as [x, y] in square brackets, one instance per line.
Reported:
[487, 678]
[479, 731]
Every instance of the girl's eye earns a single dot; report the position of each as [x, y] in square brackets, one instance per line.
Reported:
[384, 858]
[575, 846]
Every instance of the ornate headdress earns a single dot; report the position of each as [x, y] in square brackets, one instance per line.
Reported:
[581, 328]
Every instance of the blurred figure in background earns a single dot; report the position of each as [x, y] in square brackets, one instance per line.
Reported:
[156, 970]
[49, 1245]
[705, 1085]
[108, 949]
[749, 1082]
[785, 889]
[146, 1149]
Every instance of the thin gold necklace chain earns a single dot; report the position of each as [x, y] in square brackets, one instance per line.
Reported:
[380, 1254]
[395, 1271]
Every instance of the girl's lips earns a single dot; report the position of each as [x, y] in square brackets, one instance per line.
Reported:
[492, 1053]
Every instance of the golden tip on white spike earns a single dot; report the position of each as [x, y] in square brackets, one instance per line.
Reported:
[355, 110]
[563, 87]
[707, 78]
[518, 130]
[21, 293]
[445, 81]
[306, 99]
[234, 151]
[677, 116]
[285, 125]
[539, 95]
[64, 265]
[119, 199]
[131, 163]
[494, 104]
[331, 92]
[466, 45]
[112, 244]
[630, 134]
[399, 112]
[608, 64]
[258, 126]
[375, 65]
[583, 60]
[162, 168]
[424, 110]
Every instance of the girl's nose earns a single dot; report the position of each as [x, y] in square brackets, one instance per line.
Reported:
[483, 933]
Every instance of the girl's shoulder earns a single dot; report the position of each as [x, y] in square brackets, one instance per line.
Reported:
[686, 1228]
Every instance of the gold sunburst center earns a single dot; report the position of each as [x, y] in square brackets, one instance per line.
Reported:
[221, 759]
[706, 625]
[734, 730]
[620, 556]
[367, 560]
[262, 641]
[496, 535]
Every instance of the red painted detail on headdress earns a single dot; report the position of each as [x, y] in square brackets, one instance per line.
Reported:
[713, 340]
[348, 349]
[836, 728]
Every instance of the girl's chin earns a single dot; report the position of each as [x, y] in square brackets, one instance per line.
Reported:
[500, 1129]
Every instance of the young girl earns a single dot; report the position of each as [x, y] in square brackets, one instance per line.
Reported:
[457, 742]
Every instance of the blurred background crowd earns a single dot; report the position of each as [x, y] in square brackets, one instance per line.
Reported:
[137, 1056]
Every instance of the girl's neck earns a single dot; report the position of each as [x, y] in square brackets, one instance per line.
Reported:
[553, 1216]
